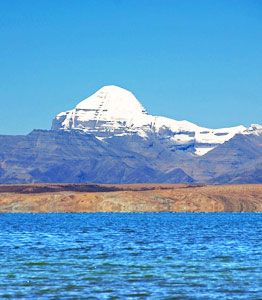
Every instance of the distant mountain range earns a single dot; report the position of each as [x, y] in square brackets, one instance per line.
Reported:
[110, 138]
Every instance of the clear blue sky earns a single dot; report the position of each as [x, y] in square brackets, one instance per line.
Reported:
[194, 60]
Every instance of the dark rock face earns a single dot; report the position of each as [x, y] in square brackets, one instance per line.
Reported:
[75, 157]
[236, 161]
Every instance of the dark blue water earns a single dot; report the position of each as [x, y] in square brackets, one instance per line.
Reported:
[131, 256]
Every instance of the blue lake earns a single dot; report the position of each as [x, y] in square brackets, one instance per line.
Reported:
[131, 256]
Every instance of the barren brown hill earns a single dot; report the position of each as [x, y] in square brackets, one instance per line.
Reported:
[130, 198]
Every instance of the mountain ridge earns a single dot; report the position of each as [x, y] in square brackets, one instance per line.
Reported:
[115, 111]
[113, 152]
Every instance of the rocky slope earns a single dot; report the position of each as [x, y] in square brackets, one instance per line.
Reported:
[130, 198]
[75, 157]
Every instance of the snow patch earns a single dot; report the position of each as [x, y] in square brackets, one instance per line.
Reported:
[203, 150]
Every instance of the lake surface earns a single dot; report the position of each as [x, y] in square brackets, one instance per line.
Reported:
[131, 256]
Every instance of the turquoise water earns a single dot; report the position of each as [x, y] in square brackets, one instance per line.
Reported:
[131, 256]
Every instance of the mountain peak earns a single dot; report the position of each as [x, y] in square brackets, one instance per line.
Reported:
[110, 109]
[112, 102]
[113, 89]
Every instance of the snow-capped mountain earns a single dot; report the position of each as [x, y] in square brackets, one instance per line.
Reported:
[114, 111]
[110, 138]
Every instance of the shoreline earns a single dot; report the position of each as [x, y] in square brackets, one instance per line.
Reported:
[130, 198]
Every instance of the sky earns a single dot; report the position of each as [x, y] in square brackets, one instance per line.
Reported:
[194, 60]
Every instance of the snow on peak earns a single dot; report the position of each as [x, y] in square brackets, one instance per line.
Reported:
[111, 109]
[114, 111]
[254, 129]
[111, 103]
